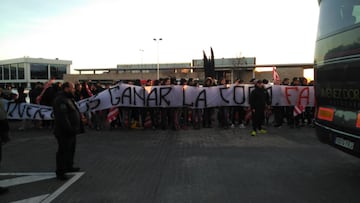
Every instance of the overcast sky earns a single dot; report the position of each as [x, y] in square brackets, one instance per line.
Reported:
[103, 33]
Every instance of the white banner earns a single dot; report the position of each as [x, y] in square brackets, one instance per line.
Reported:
[28, 111]
[124, 95]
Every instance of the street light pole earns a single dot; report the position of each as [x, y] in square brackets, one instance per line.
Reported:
[141, 64]
[142, 55]
[158, 65]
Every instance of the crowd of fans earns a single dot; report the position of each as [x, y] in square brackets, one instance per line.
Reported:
[166, 118]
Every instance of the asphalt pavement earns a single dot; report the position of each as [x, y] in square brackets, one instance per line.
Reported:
[206, 165]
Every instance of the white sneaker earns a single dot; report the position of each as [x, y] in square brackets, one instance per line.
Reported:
[242, 126]
[232, 126]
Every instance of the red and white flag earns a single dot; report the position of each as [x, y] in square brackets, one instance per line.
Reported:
[47, 85]
[88, 91]
[276, 77]
[112, 115]
[298, 109]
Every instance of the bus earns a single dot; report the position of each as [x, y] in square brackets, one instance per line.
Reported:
[337, 74]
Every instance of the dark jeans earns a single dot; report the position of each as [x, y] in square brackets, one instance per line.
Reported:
[167, 118]
[258, 118]
[293, 121]
[4, 134]
[65, 153]
[223, 117]
[208, 112]
[237, 114]
[279, 115]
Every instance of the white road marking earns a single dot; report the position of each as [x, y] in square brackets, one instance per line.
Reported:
[27, 174]
[64, 187]
[24, 180]
[34, 177]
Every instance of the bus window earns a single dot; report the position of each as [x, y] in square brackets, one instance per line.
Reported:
[356, 13]
[341, 13]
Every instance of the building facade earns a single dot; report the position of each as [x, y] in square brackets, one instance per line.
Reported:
[28, 71]
[231, 69]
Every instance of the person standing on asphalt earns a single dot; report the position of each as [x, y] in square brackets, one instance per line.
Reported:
[21, 99]
[259, 98]
[67, 125]
[4, 132]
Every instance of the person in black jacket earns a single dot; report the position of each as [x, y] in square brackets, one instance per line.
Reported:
[67, 125]
[21, 99]
[259, 99]
[4, 132]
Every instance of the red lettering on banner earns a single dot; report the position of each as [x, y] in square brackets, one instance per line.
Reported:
[288, 95]
[304, 94]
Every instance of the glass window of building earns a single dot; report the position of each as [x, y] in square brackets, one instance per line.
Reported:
[57, 71]
[6, 72]
[21, 71]
[39, 71]
[13, 71]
